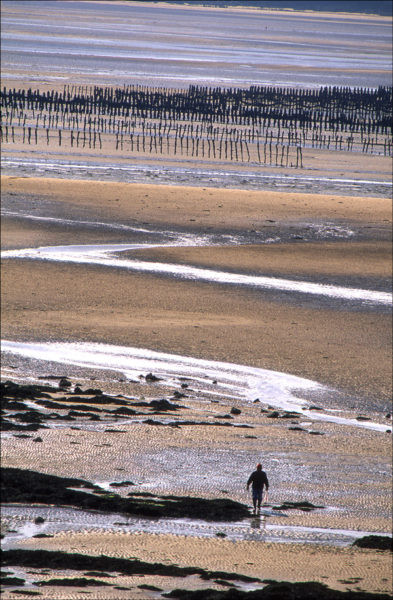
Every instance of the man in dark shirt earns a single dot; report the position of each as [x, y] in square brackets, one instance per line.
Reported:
[258, 480]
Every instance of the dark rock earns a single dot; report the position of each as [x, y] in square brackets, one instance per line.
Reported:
[362, 418]
[223, 417]
[152, 588]
[235, 411]
[290, 415]
[296, 429]
[73, 582]
[97, 574]
[121, 483]
[303, 506]
[124, 411]
[376, 542]
[78, 413]
[177, 394]
[10, 391]
[15, 405]
[313, 407]
[99, 399]
[39, 520]
[163, 405]
[273, 415]
[115, 431]
[11, 581]
[29, 416]
[26, 593]
[37, 439]
[9, 426]
[316, 433]
[43, 535]
[152, 378]
[64, 382]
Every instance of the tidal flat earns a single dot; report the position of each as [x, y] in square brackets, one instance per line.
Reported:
[156, 404]
[169, 320]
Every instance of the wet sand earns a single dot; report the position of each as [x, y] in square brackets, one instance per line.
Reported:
[164, 460]
[198, 208]
[324, 172]
[345, 346]
[206, 319]
[201, 320]
[334, 232]
[174, 45]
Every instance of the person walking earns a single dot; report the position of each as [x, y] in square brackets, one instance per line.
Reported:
[259, 480]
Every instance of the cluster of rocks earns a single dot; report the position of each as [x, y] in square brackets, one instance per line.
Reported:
[89, 404]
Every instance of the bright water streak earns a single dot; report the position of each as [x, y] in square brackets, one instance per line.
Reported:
[238, 381]
[103, 255]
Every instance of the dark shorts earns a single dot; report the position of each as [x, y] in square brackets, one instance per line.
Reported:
[257, 494]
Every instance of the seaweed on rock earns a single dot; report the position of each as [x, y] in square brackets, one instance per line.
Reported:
[82, 562]
[278, 590]
[18, 485]
[376, 542]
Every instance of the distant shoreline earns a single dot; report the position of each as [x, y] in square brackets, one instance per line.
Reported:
[239, 8]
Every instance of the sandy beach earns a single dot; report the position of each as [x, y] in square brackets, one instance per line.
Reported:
[56, 301]
[170, 320]
[226, 324]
